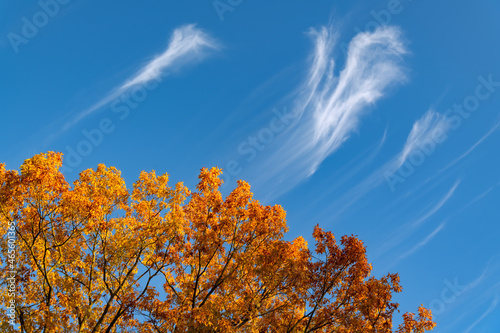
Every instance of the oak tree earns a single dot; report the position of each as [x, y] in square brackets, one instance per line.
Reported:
[95, 256]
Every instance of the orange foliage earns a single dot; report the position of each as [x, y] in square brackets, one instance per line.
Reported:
[92, 257]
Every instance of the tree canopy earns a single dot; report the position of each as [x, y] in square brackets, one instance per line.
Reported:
[95, 256]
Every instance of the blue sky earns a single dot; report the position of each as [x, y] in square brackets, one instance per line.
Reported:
[379, 118]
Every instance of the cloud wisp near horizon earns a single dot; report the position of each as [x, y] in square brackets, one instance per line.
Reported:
[331, 106]
[188, 45]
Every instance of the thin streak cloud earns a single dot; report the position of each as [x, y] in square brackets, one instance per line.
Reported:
[438, 206]
[422, 132]
[423, 242]
[474, 146]
[490, 309]
[406, 230]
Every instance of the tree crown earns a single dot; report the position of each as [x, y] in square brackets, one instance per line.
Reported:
[95, 256]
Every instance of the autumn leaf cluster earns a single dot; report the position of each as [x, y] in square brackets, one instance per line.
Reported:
[95, 256]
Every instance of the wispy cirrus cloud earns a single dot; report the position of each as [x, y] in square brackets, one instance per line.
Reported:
[438, 205]
[422, 243]
[474, 146]
[490, 309]
[403, 232]
[331, 106]
[188, 44]
[423, 132]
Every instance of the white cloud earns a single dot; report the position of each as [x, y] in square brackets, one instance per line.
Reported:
[336, 104]
[423, 242]
[474, 146]
[430, 126]
[490, 309]
[424, 131]
[407, 230]
[188, 44]
[330, 106]
[438, 206]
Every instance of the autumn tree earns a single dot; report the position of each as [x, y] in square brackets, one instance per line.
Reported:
[96, 257]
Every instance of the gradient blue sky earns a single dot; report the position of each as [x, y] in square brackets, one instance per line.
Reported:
[379, 118]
